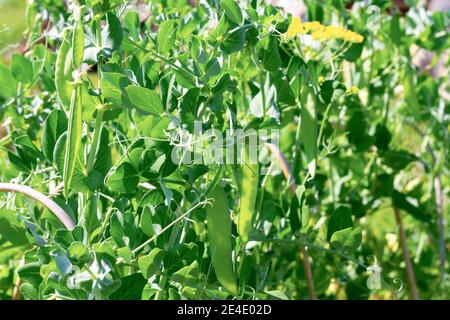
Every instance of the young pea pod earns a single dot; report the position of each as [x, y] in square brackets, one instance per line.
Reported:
[219, 235]
[73, 137]
[308, 130]
[74, 130]
[63, 71]
[249, 193]
[78, 45]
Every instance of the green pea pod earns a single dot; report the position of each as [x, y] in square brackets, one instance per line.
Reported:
[78, 45]
[219, 235]
[249, 192]
[63, 71]
[308, 131]
[73, 137]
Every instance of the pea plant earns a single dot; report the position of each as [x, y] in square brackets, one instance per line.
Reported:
[221, 149]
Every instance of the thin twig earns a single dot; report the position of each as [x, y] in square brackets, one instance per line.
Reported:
[414, 295]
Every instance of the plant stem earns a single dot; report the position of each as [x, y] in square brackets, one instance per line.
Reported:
[406, 257]
[39, 197]
[308, 272]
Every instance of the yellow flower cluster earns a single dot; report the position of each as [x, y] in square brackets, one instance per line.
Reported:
[321, 79]
[322, 33]
[352, 90]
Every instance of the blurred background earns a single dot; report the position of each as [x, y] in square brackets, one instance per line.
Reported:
[12, 23]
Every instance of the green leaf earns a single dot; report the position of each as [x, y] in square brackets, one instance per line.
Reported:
[232, 11]
[151, 264]
[132, 23]
[55, 125]
[91, 220]
[112, 34]
[113, 88]
[131, 288]
[8, 83]
[234, 41]
[340, 219]
[189, 107]
[179, 256]
[22, 68]
[277, 294]
[347, 240]
[28, 292]
[225, 83]
[354, 52]
[12, 229]
[166, 36]
[30, 273]
[187, 276]
[271, 56]
[397, 159]
[212, 68]
[103, 159]
[125, 179]
[146, 222]
[145, 99]
[79, 252]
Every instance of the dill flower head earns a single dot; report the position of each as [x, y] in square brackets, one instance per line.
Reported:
[353, 90]
[320, 79]
[320, 32]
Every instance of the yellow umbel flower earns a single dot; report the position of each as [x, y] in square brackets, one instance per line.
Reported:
[352, 90]
[320, 32]
[320, 80]
[313, 26]
[294, 28]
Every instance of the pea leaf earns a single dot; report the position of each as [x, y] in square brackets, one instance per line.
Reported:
[131, 288]
[124, 179]
[8, 83]
[166, 36]
[232, 11]
[347, 240]
[340, 219]
[22, 68]
[55, 125]
[145, 99]
[12, 229]
[151, 264]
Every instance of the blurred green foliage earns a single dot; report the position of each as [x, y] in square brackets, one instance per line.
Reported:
[12, 22]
